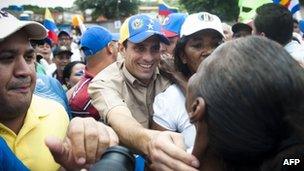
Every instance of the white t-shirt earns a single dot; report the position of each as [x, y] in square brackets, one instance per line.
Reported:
[170, 113]
[76, 52]
[296, 50]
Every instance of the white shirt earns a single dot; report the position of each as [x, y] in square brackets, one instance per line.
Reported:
[170, 113]
[76, 52]
[296, 50]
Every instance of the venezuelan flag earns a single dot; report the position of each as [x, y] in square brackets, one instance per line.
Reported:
[50, 25]
[164, 9]
[292, 5]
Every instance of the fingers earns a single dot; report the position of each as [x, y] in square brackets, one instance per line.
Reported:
[166, 149]
[114, 140]
[159, 167]
[164, 161]
[91, 137]
[103, 140]
[56, 148]
[76, 136]
[178, 140]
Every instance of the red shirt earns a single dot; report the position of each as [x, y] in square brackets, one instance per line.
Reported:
[80, 101]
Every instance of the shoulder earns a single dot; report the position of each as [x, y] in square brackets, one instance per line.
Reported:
[45, 81]
[110, 73]
[45, 106]
[173, 94]
[295, 50]
[110, 77]
[165, 101]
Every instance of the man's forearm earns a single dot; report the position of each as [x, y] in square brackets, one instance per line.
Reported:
[130, 132]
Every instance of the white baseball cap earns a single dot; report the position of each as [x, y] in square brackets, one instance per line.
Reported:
[201, 21]
[10, 24]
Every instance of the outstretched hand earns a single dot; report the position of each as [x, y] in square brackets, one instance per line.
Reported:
[166, 152]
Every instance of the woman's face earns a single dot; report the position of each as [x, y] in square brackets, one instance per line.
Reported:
[199, 46]
[44, 50]
[76, 74]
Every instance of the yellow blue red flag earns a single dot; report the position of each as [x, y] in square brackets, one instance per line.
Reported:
[164, 9]
[292, 5]
[50, 25]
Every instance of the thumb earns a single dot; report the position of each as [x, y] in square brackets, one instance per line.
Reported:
[56, 147]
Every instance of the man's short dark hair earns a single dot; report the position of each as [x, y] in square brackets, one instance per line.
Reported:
[275, 21]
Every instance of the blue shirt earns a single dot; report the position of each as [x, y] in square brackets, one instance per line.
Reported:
[50, 88]
[8, 160]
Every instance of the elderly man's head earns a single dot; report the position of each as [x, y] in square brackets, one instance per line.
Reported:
[246, 100]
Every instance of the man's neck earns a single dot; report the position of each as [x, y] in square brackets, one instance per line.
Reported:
[94, 67]
[14, 124]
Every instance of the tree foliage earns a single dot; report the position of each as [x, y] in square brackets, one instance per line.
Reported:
[227, 10]
[111, 9]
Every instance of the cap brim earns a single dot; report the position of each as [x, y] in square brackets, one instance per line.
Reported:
[144, 35]
[64, 51]
[33, 30]
[169, 33]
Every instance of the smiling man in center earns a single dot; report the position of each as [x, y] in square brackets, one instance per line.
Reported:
[123, 93]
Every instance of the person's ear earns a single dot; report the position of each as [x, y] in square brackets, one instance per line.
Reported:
[110, 48]
[67, 80]
[122, 49]
[263, 34]
[183, 57]
[197, 112]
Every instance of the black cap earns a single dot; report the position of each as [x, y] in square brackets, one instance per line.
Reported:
[241, 27]
[41, 42]
[61, 49]
[63, 32]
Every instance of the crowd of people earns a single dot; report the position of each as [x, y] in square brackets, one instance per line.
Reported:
[187, 93]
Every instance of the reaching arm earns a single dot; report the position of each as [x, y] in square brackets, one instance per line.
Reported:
[165, 149]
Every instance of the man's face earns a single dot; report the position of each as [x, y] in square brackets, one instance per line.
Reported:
[141, 59]
[17, 74]
[64, 40]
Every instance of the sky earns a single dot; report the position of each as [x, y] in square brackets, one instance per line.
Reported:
[40, 3]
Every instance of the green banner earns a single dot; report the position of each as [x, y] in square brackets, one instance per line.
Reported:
[248, 7]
